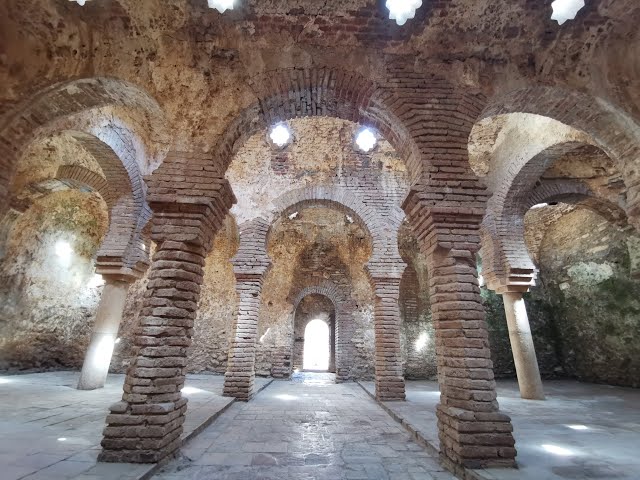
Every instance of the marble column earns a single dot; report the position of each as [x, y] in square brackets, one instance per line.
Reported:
[524, 353]
[105, 331]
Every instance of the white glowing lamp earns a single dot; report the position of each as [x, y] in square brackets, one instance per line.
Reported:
[221, 5]
[564, 10]
[79, 2]
[366, 140]
[403, 10]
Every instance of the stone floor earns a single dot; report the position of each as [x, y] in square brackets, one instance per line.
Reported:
[581, 431]
[50, 430]
[307, 428]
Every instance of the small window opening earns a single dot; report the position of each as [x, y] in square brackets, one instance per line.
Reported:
[221, 5]
[564, 10]
[366, 140]
[402, 10]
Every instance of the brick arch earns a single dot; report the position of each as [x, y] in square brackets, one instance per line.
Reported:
[67, 106]
[384, 256]
[67, 176]
[578, 193]
[343, 306]
[46, 112]
[507, 264]
[610, 128]
[286, 94]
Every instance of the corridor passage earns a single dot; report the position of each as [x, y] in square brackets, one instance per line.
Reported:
[308, 428]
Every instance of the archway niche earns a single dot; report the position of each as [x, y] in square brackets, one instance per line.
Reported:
[314, 307]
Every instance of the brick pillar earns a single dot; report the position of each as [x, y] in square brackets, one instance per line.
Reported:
[250, 265]
[388, 364]
[473, 432]
[146, 425]
[241, 366]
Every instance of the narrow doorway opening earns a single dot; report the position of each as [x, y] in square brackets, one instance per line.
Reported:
[316, 346]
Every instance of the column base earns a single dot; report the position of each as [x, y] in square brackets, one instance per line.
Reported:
[390, 389]
[475, 439]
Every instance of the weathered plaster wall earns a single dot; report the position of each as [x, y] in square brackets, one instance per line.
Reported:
[585, 271]
[48, 299]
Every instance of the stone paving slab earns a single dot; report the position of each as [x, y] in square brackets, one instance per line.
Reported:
[52, 431]
[581, 431]
[303, 430]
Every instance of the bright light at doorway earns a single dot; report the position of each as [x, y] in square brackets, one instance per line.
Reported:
[366, 140]
[316, 346]
[63, 250]
[403, 10]
[221, 5]
[80, 2]
[95, 281]
[280, 135]
[564, 10]
[421, 341]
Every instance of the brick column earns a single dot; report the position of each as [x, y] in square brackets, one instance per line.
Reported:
[473, 432]
[388, 364]
[146, 425]
[250, 266]
[241, 366]
[105, 331]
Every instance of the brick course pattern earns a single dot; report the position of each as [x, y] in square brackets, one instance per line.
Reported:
[146, 425]
[249, 265]
[124, 250]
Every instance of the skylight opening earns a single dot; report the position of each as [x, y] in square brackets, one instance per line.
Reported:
[402, 10]
[366, 140]
[564, 10]
[221, 5]
[280, 135]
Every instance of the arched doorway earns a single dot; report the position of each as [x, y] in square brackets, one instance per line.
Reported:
[317, 348]
[315, 334]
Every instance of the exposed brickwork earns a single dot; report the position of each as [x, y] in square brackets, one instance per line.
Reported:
[146, 425]
[388, 360]
[250, 264]
[343, 329]
[609, 127]
[473, 433]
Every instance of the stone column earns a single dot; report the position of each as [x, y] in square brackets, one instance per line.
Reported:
[105, 331]
[250, 266]
[241, 373]
[146, 425]
[388, 355]
[524, 353]
[473, 432]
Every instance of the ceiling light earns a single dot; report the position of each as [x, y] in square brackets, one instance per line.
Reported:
[80, 2]
[564, 10]
[221, 5]
[366, 140]
[402, 10]
[280, 135]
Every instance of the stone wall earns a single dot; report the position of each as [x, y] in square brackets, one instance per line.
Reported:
[586, 284]
[48, 289]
